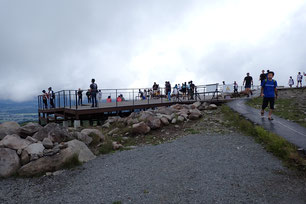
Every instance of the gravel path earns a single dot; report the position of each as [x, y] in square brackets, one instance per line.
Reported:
[192, 169]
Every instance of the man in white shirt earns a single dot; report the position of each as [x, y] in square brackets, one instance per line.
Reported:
[299, 79]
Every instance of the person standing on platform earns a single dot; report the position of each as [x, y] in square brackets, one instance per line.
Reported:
[93, 90]
[299, 80]
[100, 96]
[80, 96]
[51, 97]
[291, 82]
[88, 94]
[45, 99]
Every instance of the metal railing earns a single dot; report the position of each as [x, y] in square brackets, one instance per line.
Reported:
[74, 100]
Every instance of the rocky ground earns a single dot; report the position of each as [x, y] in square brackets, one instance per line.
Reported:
[195, 161]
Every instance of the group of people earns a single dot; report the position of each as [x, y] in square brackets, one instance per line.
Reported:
[184, 89]
[299, 79]
[48, 97]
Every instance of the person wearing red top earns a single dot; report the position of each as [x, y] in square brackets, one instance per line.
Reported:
[109, 99]
[119, 99]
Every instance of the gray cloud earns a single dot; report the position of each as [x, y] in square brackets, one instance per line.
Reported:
[64, 44]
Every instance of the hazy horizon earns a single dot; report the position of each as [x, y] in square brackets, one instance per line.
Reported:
[125, 44]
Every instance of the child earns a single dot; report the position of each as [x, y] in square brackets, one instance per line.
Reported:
[269, 94]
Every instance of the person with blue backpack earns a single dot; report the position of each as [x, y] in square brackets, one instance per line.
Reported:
[269, 94]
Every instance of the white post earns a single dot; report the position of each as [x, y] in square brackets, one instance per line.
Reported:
[77, 124]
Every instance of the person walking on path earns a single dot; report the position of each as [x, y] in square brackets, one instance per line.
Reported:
[248, 83]
[269, 94]
[80, 96]
[45, 99]
[51, 97]
[262, 76]
[291, 82]
[299, 80]
[93, 91]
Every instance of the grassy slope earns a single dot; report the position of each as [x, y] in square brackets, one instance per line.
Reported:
[284, 108]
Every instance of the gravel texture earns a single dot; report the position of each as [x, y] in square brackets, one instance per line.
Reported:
[193, 169]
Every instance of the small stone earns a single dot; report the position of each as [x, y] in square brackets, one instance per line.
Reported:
[47, 143]
[31, 139]
[173, 121]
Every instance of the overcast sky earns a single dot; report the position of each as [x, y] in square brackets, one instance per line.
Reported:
[132, 43]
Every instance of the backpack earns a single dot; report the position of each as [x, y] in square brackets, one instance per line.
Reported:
[266, 80]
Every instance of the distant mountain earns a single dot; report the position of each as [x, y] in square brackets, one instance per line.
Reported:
[18, 111]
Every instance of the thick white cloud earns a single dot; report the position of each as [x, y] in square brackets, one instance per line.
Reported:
[64, 44]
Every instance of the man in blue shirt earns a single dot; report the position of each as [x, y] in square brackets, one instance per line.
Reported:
[269, 93]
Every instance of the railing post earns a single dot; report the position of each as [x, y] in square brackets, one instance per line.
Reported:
[70, 99]
[59, 99]
[133, 98]
[116, 98]
[76, 100]
[64, 99]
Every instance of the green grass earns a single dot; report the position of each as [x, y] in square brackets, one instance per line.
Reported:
[72, 162]
[273, 143]
[284, 108]
[106, 147]
[95, 139]
[117, 202]
[192, 131]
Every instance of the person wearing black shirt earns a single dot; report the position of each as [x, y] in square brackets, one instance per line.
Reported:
[88, 94]
[93, 91]
[248, 82]
[80, 94]
[262, 77]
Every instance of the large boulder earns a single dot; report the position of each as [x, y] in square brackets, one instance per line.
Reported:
[144, 115]
[164, 120]
[165, 110]
[9, 128]
[154, 123]
[141, 128]
[48, 144]
[54, 131]
[15, 142]
[90, 132]
[29, 129]
[212, 107]
[194, 114]
[196, 104]
[113, 119]
[177, 106]
[57, 161]
[83, 137]
[35, 150]
[9, 162]
[24, 157]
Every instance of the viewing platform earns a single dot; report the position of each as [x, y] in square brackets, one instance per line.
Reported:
[67, 107]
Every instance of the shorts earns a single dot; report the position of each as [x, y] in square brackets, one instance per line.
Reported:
[266, 101]
[248, 86]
